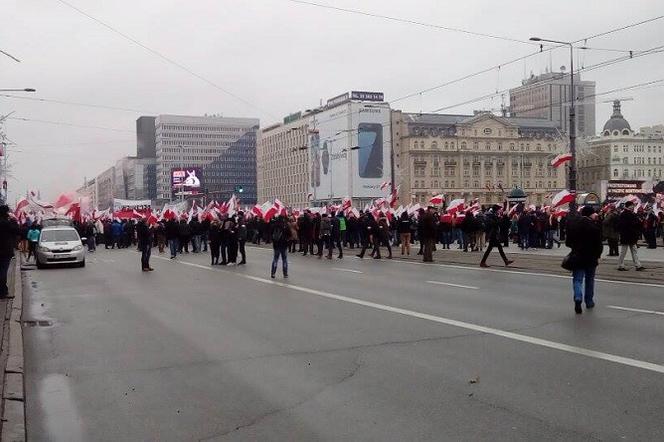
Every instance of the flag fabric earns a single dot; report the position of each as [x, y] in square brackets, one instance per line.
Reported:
[437, 200]
[456, 205]
[561, 159]
[384, 185]
[394, 197]
[561, 198]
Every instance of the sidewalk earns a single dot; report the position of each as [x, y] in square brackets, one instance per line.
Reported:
[548, 261]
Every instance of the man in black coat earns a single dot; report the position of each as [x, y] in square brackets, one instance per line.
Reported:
[172, 236]
[493, 229]
[629, 226]
[428, 232]
[145, 236]
[9, 231]
[584, 237]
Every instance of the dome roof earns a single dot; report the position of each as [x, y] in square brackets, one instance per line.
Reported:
[617, 121]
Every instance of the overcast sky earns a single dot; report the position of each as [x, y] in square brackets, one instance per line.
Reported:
[281, 57]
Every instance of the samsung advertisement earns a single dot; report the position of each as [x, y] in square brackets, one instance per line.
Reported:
[349, 151]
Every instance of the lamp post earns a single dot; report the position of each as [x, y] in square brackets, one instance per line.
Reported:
[572, 120]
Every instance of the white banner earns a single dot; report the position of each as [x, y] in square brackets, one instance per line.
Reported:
[120, 204]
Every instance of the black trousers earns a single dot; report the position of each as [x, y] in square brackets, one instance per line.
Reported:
[146, 251]
[365, 245]
[232, 250]
[214, 252]
[243, 253]
[493, 244]
[613, 247]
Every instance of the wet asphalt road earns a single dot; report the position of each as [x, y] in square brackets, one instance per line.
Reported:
[346, 350]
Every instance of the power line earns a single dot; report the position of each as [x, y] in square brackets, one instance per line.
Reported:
[163, 57]
[87, 143]
[10, 56]
[516, 60]
[654, 50]
[71, 103]
[62, 123]
[410, 22]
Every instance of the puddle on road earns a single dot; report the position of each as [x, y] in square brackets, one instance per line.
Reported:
[61, 419]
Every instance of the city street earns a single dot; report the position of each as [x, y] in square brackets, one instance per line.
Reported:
[342, 350]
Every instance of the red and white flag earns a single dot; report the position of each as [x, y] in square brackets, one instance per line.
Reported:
[384, 185]
[561, 159]
[437, 200]
[394, 197]
[562, 197]
[276, 209]
[346, 203]
[456, 205]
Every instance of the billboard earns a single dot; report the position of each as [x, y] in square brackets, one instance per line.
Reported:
[349, 151]
[617, 189]
[186, 181]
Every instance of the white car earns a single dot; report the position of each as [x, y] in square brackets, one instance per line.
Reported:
[60, 245]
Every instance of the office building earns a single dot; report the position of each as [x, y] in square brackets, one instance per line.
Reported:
[146, 145]
[201, 144]
[547, 96]
[105, 188]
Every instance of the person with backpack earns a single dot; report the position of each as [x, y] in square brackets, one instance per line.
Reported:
[325, 237]
[280, 235]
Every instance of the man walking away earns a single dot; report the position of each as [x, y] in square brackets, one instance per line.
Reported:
[369, 228]
[493, 232]
[280, 236]
[145, 235]
[90, 233]
[325, 239]
[214, 234]
[9, 232]
[584, 237]
[242, 232]
[172, 235]
[404, 232]
[610, 231]
[160, 233]
[629, 227]
[335, 237]
[33, 240]
[428, 229]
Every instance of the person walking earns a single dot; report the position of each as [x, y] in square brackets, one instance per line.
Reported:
[184, 234]
[242, 232]
[214, 235]
[492, 225]
[369, 228]
[160, 233]
[584, 237]
[232, 241]
[382, 237]
[428, 229]
[325, 238]
[172, 235]
[90, 235]
[404, 232]
[610, 230]
[145, 236]
[629, 227]
[293, 226]
[9, 235]
[280, 235]
[33, 240]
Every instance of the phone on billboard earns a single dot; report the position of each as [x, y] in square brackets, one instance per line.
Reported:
[315, 161]
[370, 152]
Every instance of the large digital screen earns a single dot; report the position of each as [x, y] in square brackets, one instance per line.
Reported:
[186, 181]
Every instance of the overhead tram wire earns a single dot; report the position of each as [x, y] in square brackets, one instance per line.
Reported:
[164, 57]
[71, 103]
[63, 123]
[524, 57]
[411, 22]
[602, 64]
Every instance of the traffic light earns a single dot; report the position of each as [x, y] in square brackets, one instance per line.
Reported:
[239, 189]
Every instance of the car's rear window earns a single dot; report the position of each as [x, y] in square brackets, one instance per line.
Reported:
[59, 235]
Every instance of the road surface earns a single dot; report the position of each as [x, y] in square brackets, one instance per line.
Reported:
[343, 350]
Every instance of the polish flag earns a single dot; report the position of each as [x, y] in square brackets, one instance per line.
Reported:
[437, 200]
[276, 209]
[414, 209]
[65, 199]
[256, 210]
[384, 185]
[562, 197]
[515, 209]
[347, 203]
[560, 213]
[20, 205]
[394, 197]
[561, 159]
[456, 205]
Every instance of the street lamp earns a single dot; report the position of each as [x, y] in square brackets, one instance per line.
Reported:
[27, 89]
[572, 119]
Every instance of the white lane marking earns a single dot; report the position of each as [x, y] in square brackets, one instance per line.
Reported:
[637, 310]
[517, 272]
[346, 270]
[453, 285]
[645, 365]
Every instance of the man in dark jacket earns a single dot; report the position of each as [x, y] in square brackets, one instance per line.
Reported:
[428, 232]
[369, 228]
[629, 227]
[584, 237]
[145, 239]
[172, 236]
[280, 235]
[610, 231]
[9, 231]
[492, 226]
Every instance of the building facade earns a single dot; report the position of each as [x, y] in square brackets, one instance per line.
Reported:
[547, 97]
[135, 178]
[191, 141]
[105, 188]
[283, 163]
[475, 156]
[618, 153]
[89, 190]
[146, 145]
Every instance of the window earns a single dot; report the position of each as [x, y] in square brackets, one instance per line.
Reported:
[615, 173]
[463, 145]
[434, 145]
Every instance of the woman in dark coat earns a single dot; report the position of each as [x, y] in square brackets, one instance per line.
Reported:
[584, 237]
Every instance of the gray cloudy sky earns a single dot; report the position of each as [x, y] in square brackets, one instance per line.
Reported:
[282, 57]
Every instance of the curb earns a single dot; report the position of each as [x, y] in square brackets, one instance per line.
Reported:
[13, 389]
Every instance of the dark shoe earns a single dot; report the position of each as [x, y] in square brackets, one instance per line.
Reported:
[389, 257]
[150, 269]
[286, 275]
[224, 263]
[329, 256]
[509, 261]
[591, 305]
[376, 257]
[484, 265]
[242, 262]
[340, 257]
[360, 256]
[272, 276]
[577, 307]
[145, 270]
[622, 269]
[640, 269]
